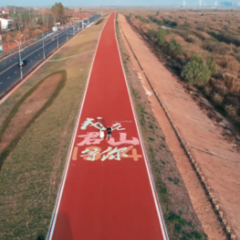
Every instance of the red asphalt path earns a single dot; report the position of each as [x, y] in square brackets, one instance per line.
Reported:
[107, 192]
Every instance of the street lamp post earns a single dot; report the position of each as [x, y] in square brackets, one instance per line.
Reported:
[21, 41]
[20, 60]
[43, 43]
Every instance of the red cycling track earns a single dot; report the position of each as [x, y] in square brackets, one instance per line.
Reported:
[107, 192]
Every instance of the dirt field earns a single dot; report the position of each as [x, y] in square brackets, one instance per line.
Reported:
[203, 140]
[31, 174]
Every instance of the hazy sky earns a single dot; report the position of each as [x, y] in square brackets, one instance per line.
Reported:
[106, 2]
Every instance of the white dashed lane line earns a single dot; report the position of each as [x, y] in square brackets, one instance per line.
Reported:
[15, 72]
[0, 83]
[8, 77]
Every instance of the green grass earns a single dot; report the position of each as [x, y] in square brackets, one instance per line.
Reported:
[174, 180]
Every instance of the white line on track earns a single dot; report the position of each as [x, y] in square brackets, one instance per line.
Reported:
[155, 197]
[64, 177]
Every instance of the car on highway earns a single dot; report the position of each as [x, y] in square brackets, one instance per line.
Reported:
[22, 63]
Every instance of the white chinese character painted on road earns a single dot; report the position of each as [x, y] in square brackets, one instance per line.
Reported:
[114, 154]
[117, 126]
[98, 125]
[90, 122]
[123, 140]
[91, 153]
[90, 138]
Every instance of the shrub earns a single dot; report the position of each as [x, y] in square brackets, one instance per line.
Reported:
[152, 33]
[173, 48]
[200, 35]
[231, 111]
[196, 71]
[190, 39]
[218, 75]
[212, 66]
[216, 47]
[232, 83]
[161, 35]
[231, 100]
[207, 90]
[222, 90]
[217, 99]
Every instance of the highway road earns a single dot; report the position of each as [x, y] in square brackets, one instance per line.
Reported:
[10, 71]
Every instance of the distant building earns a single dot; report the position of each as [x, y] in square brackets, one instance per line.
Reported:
[4, 11]
[6, 23]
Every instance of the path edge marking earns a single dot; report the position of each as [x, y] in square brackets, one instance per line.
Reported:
[146, 160]
[65, 172]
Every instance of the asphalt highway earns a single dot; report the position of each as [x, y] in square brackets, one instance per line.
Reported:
[10, 71]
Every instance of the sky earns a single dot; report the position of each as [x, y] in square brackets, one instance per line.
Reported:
[109, 2]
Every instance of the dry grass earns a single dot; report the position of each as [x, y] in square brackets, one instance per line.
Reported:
[211, 34]
[30, 176]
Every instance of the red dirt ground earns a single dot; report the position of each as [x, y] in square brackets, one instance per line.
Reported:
[107, 193]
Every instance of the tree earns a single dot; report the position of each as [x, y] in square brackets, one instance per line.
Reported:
[8, 38]
[196, 71]
[26, 33]
[173, 48]
[161, 36]
[18, 35]
[58, 12]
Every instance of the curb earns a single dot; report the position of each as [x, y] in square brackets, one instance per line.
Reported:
[216, 207]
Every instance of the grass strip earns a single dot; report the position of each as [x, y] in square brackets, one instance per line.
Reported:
[15, 109]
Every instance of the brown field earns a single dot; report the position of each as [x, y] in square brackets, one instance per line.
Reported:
[40, 118]
[209, 34]
[218, 166]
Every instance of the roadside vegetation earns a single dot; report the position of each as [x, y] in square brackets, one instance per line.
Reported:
[180, 218]
[33, 165]
[201, 47]
[28, 22]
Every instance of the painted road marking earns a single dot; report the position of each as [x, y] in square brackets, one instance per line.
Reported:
[8, 77]
[108, 178]
[15, 72]
[0, 83]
